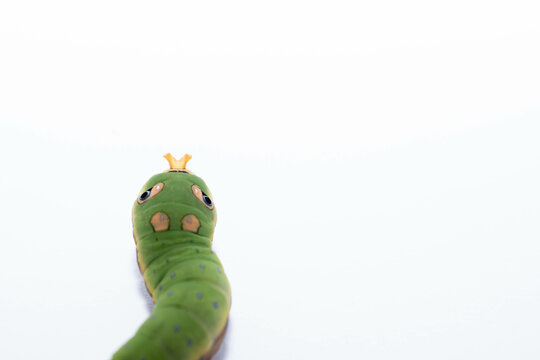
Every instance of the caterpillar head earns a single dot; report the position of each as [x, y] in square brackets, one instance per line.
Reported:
[175, 200]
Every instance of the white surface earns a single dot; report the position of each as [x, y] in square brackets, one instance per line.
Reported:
[375, 169]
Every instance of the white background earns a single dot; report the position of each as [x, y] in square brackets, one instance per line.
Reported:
[375, 167]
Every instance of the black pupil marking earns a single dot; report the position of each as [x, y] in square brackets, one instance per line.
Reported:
[206, 199]
[145, 195]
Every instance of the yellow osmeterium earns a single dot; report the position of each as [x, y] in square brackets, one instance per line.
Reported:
[177, 164]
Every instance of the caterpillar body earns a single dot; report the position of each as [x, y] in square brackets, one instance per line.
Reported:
[173, 225]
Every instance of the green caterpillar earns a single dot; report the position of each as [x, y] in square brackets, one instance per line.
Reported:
[173, 225]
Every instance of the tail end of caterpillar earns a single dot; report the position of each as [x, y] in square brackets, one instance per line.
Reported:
[139, 347]
[171, 332]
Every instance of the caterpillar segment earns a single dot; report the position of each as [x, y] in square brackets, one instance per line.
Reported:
[173, 225]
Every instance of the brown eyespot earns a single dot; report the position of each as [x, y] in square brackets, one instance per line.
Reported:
[150, 193]
[191, 223]
[205, 199]
[160, 222]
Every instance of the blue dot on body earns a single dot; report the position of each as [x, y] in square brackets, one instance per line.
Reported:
[218, 270]
[196, 250]
[176, 328]
[215, 304]
[159, 287]
[173, 274]
[202, 266]
[189, 342]
[199, 296]
[169, 293]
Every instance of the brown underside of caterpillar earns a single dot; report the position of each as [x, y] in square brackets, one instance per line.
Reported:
[217, 344]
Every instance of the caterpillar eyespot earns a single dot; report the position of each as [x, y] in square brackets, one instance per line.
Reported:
[145, 195]
[150, 193]
[173, 233]
[205, 199]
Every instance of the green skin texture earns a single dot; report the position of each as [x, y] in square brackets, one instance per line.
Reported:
[191, 293]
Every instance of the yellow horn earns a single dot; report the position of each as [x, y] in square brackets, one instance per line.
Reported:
[179, 164]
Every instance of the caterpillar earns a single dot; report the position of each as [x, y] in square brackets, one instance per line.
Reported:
[173, 225]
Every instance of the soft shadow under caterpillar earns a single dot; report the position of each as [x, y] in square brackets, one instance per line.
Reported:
[173, 224]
